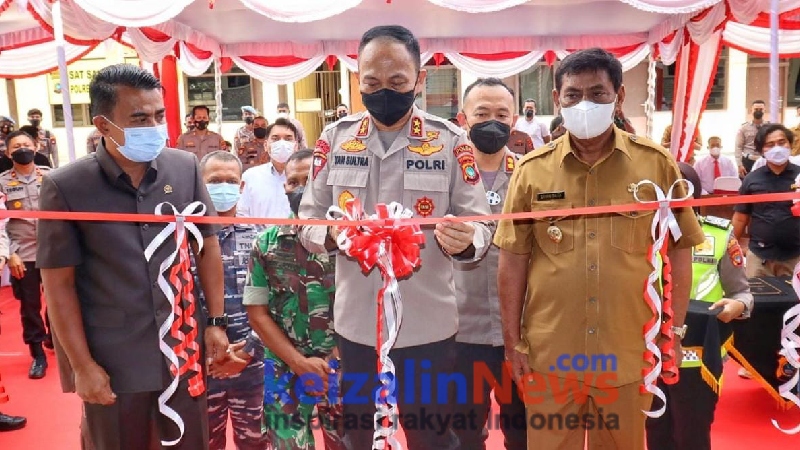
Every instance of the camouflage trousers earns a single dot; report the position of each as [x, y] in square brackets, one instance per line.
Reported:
[241, 398]
[291, 418]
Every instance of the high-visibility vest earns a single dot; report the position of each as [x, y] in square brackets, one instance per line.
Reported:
[706, 284]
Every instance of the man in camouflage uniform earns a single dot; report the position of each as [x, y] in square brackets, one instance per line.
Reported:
[236, 385]
[245, 133]
[289, 297]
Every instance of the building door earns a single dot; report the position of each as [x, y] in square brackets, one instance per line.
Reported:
[315, 99]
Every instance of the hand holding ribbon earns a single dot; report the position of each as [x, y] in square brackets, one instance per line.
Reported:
[660, 357]
[177, 293]
[394, 249]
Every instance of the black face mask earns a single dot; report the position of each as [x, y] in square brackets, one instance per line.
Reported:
[294, 199]
[342, 114]
[528, 113]
[23, 156]
[490, 137]
[758, 115]
[201, 125]
[260, 132]
[35, 122]
[249, 120]
[388, 106]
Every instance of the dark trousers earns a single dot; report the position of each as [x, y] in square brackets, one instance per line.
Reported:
[134, 423]
[474, 403]
[28, 291]
[422, 408]
[747, 163]
[686, 424]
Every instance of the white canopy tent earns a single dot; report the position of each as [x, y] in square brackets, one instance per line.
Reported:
[283, 41]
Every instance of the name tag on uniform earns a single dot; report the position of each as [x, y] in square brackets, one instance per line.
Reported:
[351, 160]
[544, 196]
[14, 189]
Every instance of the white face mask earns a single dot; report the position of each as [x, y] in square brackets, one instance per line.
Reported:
[778, 155]
[587, 120]
[283, 115]
[715, 151]
[281, 150]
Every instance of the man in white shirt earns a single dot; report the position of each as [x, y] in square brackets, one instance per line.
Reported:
[714, 165]
[537, 130]
[300, 135]
[263, 194]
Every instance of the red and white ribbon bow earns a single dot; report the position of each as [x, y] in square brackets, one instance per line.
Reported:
[175, 294]
[660, 358]
[394, 248]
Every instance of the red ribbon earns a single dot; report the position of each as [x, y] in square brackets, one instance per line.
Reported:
[669, 368]
[187, 348]
[401, 241]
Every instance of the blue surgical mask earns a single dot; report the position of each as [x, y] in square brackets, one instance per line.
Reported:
[142, 144]
[223, 195]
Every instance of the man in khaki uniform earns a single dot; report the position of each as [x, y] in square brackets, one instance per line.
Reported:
[666, 139]
[46, 140]
[200, 141]
[255, 151]
[488, 116]
[93, 140]
[398, 153]
[20, 187]
[6, 127]
[581, 278]
[745, 150]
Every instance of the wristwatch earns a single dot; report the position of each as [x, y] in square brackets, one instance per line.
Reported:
[219, 321]
[680, 331]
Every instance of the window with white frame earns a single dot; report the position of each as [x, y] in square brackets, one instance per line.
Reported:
[441, 96]
[237, 91]
[537, 83]
[793, 82]
[665, 85]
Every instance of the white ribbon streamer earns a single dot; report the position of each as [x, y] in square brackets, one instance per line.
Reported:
[386, 407]
[663, 220]
[790, 343]
[177, 229]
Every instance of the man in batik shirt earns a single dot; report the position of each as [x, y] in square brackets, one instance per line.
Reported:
[289, 298]
[236, 386]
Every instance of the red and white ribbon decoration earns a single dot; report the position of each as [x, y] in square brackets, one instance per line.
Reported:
[175, 294]
[394, 249]
[660, 325]
[790, 341]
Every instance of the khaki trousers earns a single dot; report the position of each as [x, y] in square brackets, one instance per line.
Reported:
[592, 418]
[757, 267]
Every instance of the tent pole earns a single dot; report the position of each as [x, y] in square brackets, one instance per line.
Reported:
[58, 32]
[168, 74]
[774, 68]
[218, 92]
[650, 103]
